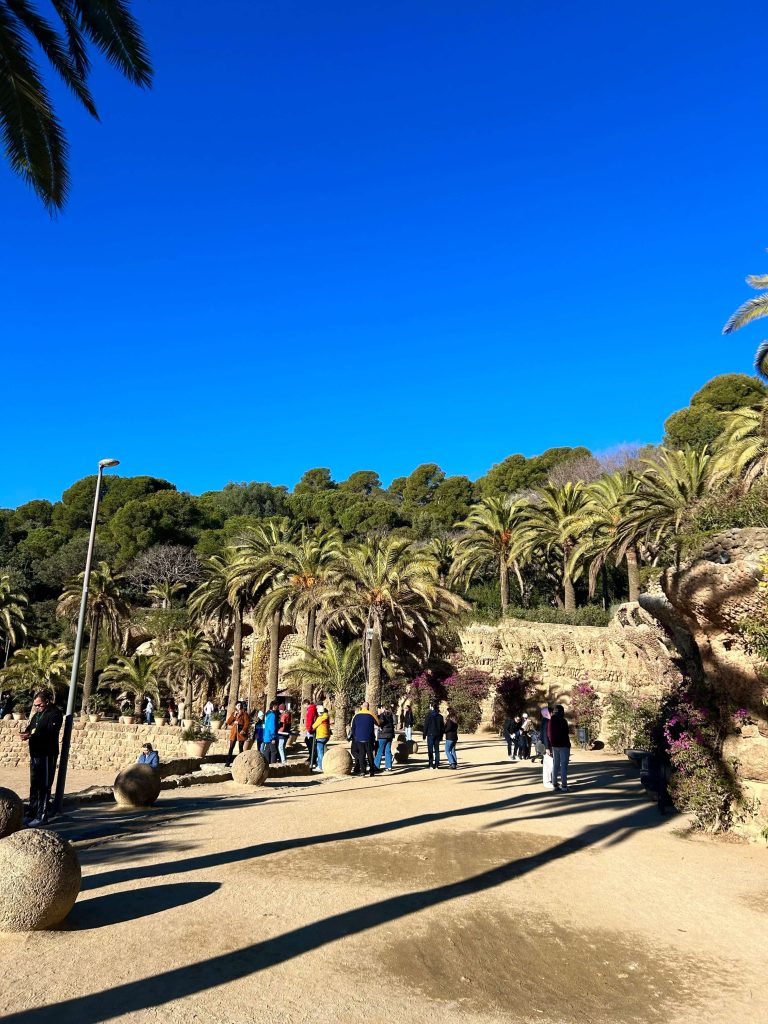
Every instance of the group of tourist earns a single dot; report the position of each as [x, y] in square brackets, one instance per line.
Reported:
[550, 741]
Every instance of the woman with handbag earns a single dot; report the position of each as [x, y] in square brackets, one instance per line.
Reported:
[239, 722]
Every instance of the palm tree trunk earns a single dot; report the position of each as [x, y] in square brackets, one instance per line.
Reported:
[309, 643]
[188, 696]
[274, 655]
[340, 715]
[373, 687]
[90, 664]
[237, 659]
[632, 573]
[604, 585]
[569, 594]
[520, 583]
[504, 585]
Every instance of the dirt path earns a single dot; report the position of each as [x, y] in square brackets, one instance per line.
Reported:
[471, 896]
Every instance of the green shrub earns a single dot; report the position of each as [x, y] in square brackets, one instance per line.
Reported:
[629, 720]
[589, 615]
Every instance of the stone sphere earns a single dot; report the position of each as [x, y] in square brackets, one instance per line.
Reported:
[250, 768]
[39, 880]
[337, 760]
[137, 786]
[11, 812]
[413, 746]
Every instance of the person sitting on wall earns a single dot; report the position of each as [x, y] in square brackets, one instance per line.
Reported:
[148, 756]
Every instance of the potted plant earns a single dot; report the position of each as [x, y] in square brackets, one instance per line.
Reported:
[94, 707]
[217, 722]
[197, 739]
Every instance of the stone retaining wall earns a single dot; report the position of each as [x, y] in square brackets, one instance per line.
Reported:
[98, 746]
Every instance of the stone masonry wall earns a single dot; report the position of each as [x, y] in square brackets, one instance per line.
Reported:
[102, 746]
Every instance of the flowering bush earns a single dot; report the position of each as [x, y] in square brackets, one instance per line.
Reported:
[585, 705]
[512, 694]
[629, 720]
[464, 692]
[742, 717]
[701, 783]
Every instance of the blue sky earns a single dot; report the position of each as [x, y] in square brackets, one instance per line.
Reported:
[369, 235]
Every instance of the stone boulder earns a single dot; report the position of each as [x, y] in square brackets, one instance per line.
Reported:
[250, 768]
[11, 812]
[39, 880]
[337, 760]
[137, 786]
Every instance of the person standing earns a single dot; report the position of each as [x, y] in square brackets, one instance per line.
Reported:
[269, 746]
[258, 730]
[508, 729]
[526, 736]
[148, 711]
[546, 749]
[310, 737]
[208, 710]
[451, 737]
[560, 744]
[283, 731]
[434, 729]
[407, 722]
[517, 736]
[362, 733]
[239, 723]
[321, 728]
[386, 735]
[42, 734]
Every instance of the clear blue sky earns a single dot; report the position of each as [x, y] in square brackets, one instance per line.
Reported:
[369, 235]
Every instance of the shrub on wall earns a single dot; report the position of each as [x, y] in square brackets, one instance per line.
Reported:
[585, 707]
[465, 692]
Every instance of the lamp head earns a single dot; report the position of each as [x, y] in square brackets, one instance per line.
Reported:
[106, 463]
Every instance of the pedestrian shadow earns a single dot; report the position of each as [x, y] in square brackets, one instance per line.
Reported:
[131, 904]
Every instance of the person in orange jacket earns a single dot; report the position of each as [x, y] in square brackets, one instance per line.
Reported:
[239, 722]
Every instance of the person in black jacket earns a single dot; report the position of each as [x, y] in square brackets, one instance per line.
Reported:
[385, 737]
[406, 722]
[434, 728]
[42, 734]
[560, 745]
[451, 736]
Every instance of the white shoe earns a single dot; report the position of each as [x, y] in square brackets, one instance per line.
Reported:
[35, 822]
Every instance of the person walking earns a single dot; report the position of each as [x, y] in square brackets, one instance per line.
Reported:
[407, 722]
[434, 728]
[546, 750]
[385, 737]
[42, 735]
[321, 729]
[451, 737]
[148, 756]
[269, 745]
[208, 710]
[526, 736]
[560, 744]
[239, 723]
[283, 731]
[362, 733]
[508, 731]
[310, 737]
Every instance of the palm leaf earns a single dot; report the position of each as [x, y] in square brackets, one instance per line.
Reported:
[751, 310]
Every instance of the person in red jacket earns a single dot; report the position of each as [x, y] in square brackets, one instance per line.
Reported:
[309, 736]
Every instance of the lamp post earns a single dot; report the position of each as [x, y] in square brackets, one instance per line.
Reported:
[67, 734]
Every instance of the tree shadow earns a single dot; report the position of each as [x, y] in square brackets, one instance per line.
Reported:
[129, 905]
[161, 989]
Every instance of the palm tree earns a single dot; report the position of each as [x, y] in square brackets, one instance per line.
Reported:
[35, 143]
[216, 600]
[189, 655]
[753, 309]
[13, 606]
[388, 588]
[163, 592]
[106, 609]
[43, 667]
[490, 531]
[603, 535]
[135, 675]
[548, 528]
[334, 670]
[302, 574]
[443, 549]
[258, 566]
[661, 507]
[741, 451]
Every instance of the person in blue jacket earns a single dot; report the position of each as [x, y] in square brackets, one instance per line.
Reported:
[149, 756]
[363, 733]
[269, 743]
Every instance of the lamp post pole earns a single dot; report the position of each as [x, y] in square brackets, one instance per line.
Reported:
[66, 737]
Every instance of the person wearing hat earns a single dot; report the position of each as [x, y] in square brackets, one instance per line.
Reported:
[527, 730]
[321, 727]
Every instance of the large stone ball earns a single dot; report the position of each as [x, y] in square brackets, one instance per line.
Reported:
[11, 812]
[39, 880]
[250, 768]
[137, 786]
[337, 760]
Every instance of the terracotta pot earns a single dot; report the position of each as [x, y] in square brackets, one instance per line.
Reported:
[197, 748]
[94, 718]
[17, 717]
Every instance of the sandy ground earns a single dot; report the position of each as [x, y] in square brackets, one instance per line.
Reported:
[471, 896]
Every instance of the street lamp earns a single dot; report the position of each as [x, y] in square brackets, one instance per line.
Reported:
[67, 734]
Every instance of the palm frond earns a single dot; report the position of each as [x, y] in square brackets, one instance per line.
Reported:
[753, 309]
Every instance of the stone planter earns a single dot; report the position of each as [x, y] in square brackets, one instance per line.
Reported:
[187, 723]
[173, 720]
[197, 748]
[17, 717]
[94, 718]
